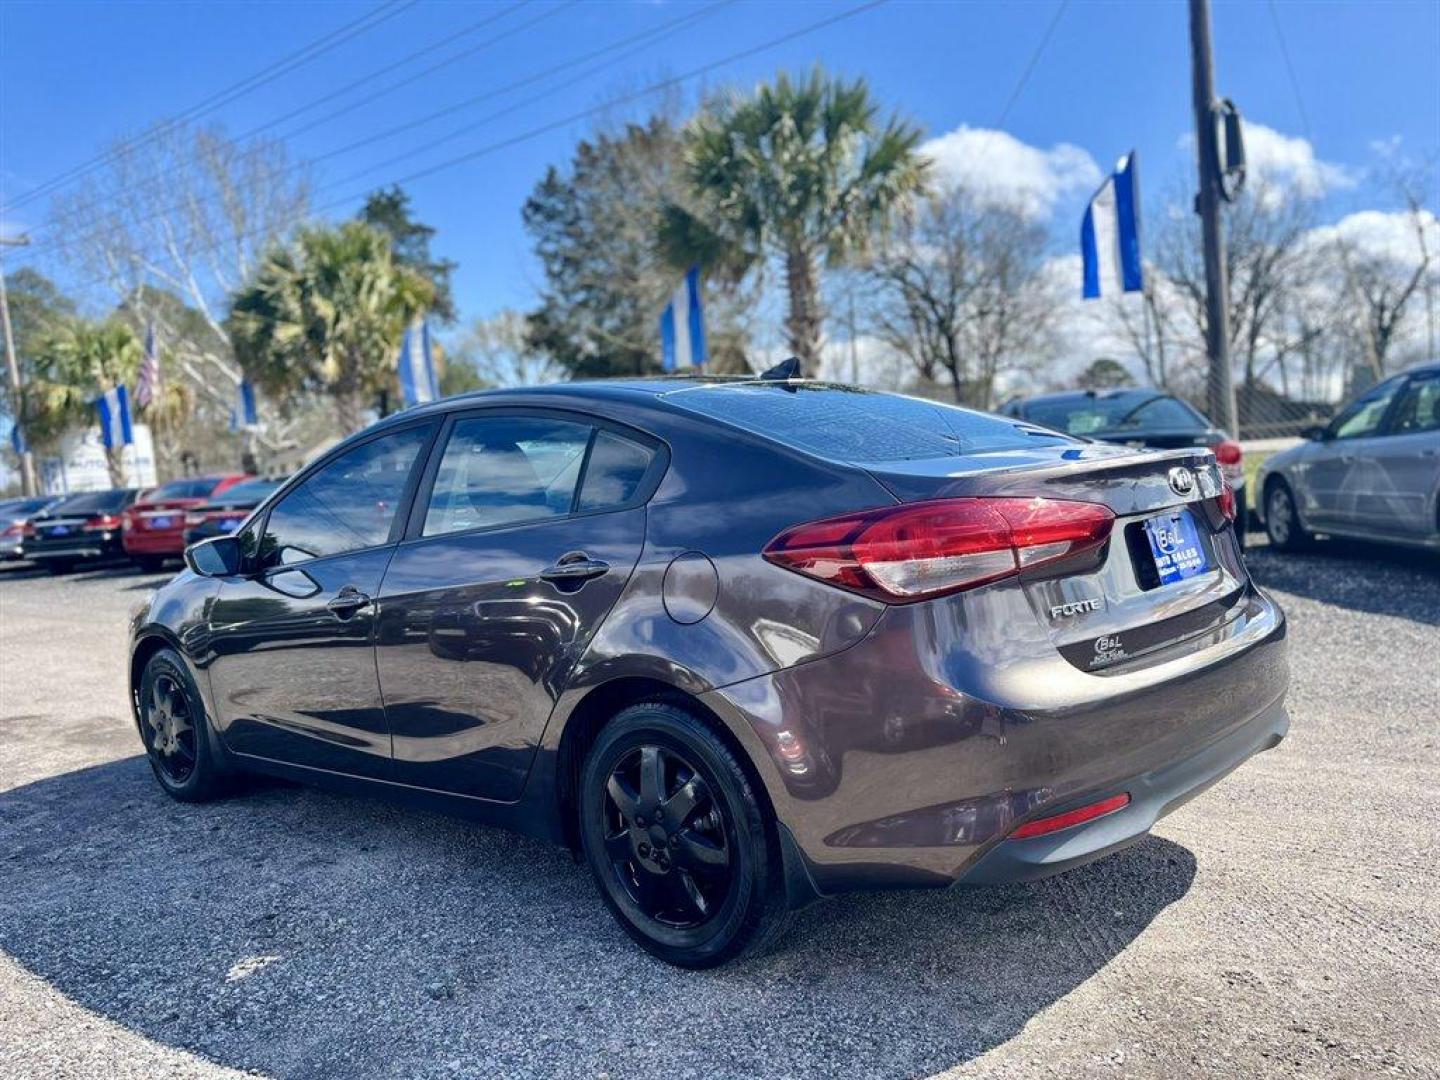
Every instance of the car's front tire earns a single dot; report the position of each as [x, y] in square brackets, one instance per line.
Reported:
[1282, 522]
[678, 839]
[175, 731]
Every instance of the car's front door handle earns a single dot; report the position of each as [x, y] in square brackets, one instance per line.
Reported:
[348, 601]
[574, 568]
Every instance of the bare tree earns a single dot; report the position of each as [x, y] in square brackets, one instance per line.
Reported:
[500, 354]
[197, 236]
[1381, 286]
[964, 293]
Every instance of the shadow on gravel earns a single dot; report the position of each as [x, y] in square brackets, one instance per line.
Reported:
[1372, 578]
[301, 933]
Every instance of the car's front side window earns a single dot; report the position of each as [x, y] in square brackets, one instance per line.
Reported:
[503, 470]
[1419, 409]
[347, 505]
[1364, 416]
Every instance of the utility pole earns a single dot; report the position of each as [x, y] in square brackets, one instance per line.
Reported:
[1220, 396]
[12, 363]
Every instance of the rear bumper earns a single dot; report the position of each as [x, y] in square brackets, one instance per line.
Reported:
[96, 546]
[1152, 795]
[908, 758]
[169, 542]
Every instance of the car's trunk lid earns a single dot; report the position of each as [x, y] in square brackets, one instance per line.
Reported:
[1127, 602]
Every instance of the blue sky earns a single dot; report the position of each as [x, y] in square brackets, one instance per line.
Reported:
[1115, 75]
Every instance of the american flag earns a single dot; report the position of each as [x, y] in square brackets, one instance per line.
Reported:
[149, 380]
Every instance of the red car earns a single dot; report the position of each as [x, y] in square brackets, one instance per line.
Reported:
[153, 530]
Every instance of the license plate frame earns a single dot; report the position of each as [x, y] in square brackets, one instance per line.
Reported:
[1176, 546]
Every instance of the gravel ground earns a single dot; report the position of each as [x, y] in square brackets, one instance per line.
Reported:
[1286, 923]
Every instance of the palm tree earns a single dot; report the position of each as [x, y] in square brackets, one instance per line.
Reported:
[802, 170]
[73, 366]
[328, 315]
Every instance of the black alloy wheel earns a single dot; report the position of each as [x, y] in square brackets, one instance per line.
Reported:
[681, 845]
[174, 730]
[665, 836]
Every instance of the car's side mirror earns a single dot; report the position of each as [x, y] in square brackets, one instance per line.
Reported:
[217, 557]
[1315, 432]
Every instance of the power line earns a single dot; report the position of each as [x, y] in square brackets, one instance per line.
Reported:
[583, 114]
[644, 38]
[162, 177]
[1290, 71]
[365, 79]
[1033, 62]
[273, 71]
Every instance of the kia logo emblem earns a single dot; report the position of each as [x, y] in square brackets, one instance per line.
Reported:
[1182, 480]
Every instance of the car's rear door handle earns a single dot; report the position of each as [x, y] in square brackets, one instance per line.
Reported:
[348, 601]
[575, 567]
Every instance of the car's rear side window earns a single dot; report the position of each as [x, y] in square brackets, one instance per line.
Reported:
[850, 425]
[614, 472]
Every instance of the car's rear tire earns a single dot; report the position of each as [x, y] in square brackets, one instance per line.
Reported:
[176, 731]
[679, 840]
[1282, 522]
[59, 566]
[150, 564]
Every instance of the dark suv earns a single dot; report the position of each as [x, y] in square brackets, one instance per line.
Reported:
[741, 643]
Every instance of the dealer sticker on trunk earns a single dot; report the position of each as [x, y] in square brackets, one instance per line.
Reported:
[1175, 543]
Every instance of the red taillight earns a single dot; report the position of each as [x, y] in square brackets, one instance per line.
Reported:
[102, 522]
[1041, 826]
[912, 552]
[17, 529]
[1227, 502]
[1230, 456]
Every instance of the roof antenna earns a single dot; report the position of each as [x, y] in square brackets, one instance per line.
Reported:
[784, 371]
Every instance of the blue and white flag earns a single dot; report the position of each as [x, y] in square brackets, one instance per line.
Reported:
[682, 326]
[1110, 234]
[244, 414]
[418, 383]
[114, 409]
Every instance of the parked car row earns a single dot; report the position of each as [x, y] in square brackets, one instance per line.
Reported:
[148, 527]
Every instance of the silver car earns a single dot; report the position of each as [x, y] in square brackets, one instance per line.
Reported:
[1373, 473]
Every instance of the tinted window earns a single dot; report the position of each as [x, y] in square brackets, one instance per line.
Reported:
[250, 493]
[848, 424]
[614, 471]
[93, 502]
[191, 488]
[1363, 417]
[499, 470]
[348, 505]
[1419, 409]
[1085, 416]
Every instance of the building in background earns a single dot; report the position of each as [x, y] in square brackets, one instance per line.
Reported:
[80, 464]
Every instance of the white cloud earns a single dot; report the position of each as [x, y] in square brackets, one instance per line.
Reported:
[1383, 234]
[1003, 171]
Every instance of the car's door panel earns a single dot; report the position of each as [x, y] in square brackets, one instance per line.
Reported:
[292, 657]
[475, 643]
[294, 680]
[526, 530]
[1341, 480]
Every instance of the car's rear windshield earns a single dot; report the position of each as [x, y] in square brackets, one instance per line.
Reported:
[846, 424]
[251, 492]
[1129, 412]
[92, 502]
[192, 487]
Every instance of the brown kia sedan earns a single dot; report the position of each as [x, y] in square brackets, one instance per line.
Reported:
[742, 644]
